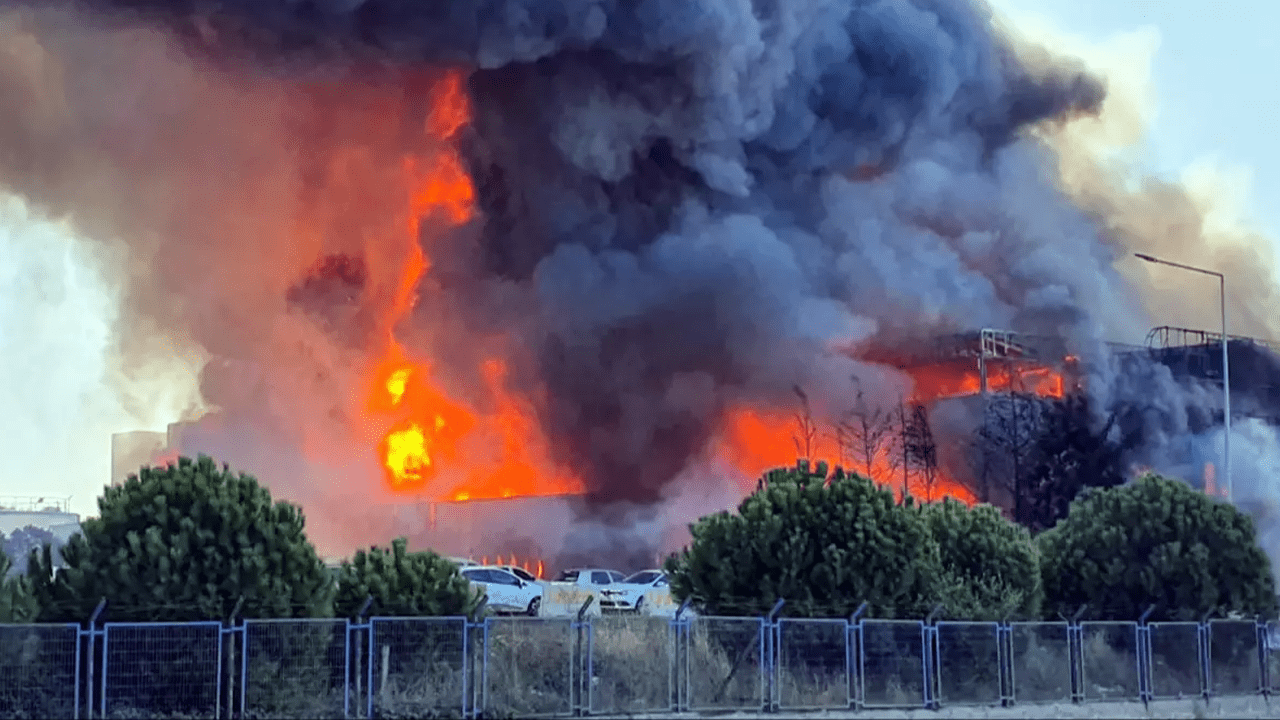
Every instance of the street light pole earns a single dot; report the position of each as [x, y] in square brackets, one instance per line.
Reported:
[1226, 364]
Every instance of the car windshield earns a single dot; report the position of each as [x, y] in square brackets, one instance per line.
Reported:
[522, 574]
[568, 576]
[644, 577]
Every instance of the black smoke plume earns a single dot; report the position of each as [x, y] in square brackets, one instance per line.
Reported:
[685, 205]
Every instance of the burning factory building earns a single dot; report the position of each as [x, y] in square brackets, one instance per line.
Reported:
[599, 263]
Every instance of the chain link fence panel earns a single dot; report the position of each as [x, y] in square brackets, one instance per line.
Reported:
[1233, 658]
[1040, 662]
[726, 663]
[418, 666]
[968, 663]
[632, 664]
[294, 668]
[813, 664]
[892, 664]
[1175, 660]
[1109, 656]
[528, 666]
[161, 670]
[38, 671]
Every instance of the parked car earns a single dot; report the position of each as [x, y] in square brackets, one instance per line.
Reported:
[507, 593]
[630, 594]
[590, 577]
[520, 572]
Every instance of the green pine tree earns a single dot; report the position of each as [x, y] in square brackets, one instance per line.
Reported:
[186, 542]
[404, 584]
[823, 544]
[991, 565]
[1155, 541]
[17, 603]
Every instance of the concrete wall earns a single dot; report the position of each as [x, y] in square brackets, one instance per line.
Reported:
[64, 522]
[526, 526]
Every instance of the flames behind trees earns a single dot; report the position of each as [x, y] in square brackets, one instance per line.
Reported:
[423, 430]
[608, 260]
[894, 444]
[423, 433]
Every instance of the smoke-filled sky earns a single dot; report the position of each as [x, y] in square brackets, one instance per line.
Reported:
[67, 388]
[1197, 56]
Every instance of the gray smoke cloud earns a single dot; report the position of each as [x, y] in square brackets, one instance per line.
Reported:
[684, 205]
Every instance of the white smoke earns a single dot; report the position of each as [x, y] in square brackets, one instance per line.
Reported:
[1255, 475]
[62, 392]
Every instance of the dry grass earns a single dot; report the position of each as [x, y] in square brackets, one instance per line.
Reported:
[535, 667]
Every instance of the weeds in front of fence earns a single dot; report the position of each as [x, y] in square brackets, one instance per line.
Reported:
[529, 667]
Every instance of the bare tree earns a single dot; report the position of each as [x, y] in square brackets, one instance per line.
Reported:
[921, 450]
[806, 431]
[1006, 443]
[866, 432]
[898, 448]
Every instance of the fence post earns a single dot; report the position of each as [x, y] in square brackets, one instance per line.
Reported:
[1075, 654]
[853, 651]
[771, 630]
[358, 677]
[929, 656]
[1142, 639]
[474, 678]
[680, 638]
[1004, 660]
[1264, 666]
[580, 658]
[1205, 654]
[93, 656]
[229, 632]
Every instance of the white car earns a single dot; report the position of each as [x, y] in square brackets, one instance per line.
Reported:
[629, 595]
[519, 572]
[590, 577]
[507, 593]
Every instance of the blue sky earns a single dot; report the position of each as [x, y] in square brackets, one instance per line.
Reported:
[1214, 81]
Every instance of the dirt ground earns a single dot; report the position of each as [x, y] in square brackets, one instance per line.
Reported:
[1235, 708]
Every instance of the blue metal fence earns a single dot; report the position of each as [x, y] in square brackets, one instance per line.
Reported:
[555, 667]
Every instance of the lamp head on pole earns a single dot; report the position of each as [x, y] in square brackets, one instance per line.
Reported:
[1148, 258]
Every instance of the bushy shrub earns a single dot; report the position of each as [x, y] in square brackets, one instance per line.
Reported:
[17, 603]
[1155, 541]
[991, 568]
[186, 542]
[404, 583]
[824, 544]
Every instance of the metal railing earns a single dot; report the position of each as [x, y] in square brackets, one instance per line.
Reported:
[615, 664]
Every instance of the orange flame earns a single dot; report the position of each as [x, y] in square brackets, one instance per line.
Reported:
[945, 380]
[443, 192]
[533, 567]
[432, 442]
[760, 441]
